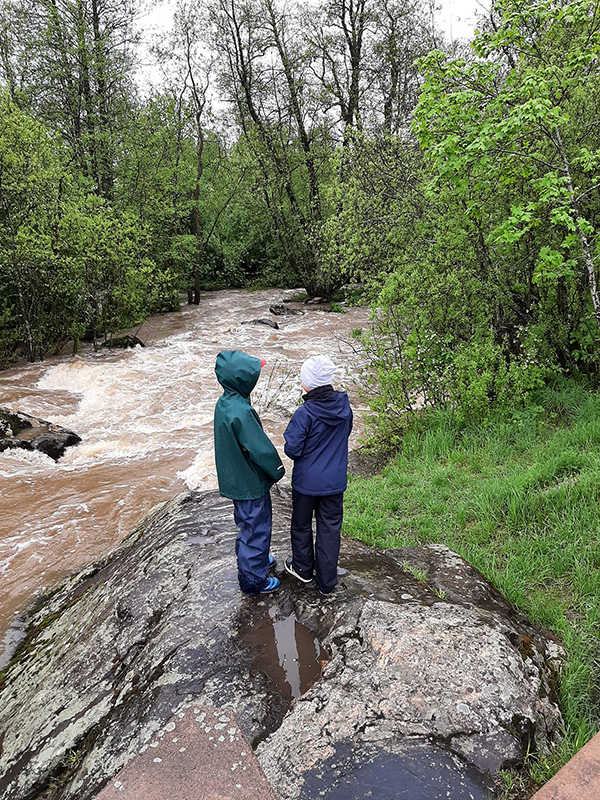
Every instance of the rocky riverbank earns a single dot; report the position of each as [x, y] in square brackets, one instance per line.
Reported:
[415, 660]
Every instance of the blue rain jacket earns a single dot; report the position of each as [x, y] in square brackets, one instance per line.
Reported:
[247, 462]
[316, 439]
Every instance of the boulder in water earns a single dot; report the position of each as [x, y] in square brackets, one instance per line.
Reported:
[19, 430]
[123, 342]
[283, 311]
[424, 664]
[268, 322]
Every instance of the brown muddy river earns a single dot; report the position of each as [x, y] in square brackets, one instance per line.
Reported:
[145, 419]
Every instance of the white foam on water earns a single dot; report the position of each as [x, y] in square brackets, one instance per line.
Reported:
[140, 403]
[202, 473]
[23, 462]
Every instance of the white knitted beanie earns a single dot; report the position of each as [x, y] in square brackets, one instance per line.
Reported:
[317, 371]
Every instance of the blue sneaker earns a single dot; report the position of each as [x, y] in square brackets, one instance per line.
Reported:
[272, 562]
[271, 585]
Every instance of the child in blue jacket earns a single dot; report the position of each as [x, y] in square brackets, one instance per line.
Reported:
[316, 439]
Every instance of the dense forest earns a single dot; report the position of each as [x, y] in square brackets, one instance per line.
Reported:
[315, 145]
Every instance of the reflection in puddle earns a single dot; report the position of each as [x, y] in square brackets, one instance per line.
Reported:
[287, 651]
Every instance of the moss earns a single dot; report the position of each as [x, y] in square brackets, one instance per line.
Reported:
[67, 767]
[27, 644]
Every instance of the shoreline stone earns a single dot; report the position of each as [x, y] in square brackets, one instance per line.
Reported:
[122, 342]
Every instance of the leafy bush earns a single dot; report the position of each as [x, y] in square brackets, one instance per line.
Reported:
[412, 367]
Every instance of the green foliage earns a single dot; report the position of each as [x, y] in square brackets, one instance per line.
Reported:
[504, 132]
[482, 376]
[374, 209]
[30, 174]
[476, 239]
[480, 251]
[118, 284]
[69, 263]
[415, 368]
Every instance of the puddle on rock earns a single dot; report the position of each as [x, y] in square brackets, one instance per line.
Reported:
[285, 650]
[381, 577]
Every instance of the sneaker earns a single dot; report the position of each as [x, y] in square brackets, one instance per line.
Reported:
[326, 594]
[271, 585]
[289, 567]
[272, 562]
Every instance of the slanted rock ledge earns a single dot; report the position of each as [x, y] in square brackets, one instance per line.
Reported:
[436, 667]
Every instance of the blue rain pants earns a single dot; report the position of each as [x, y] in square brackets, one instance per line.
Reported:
[323, 556]
[253, 519]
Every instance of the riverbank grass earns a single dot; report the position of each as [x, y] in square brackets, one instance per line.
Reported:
[519, 499]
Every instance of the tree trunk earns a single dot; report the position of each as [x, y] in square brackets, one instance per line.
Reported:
[198, 225]
[86, 93]
[106, 179]
[578, 220]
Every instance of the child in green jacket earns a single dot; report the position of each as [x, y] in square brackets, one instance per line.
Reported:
[247, 466]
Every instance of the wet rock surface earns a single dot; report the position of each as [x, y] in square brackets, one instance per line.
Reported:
[412, 770]
[18, 430]
[416, 670]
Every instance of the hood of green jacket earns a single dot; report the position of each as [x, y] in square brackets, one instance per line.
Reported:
[236, 371]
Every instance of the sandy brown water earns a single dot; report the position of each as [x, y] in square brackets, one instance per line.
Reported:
[145, 418]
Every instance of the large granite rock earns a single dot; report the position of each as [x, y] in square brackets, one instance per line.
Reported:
[434, 678]
[18, 430]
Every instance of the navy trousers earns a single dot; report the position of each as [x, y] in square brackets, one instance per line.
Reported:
[253, 519]
[322, 557]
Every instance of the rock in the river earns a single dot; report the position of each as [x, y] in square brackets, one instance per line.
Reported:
[18, 430]
[283, 311]
[268, 322]
[123, 342]
[439, 672]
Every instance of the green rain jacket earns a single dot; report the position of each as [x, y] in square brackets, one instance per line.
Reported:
[247, 462]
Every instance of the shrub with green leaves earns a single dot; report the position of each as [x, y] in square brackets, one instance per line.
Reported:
[511, 135]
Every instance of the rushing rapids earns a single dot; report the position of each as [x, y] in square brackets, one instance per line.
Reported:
[145, 419]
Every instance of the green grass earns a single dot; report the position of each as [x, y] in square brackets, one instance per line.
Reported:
[518, 498]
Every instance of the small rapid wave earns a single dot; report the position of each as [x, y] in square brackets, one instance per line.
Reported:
[16, 462]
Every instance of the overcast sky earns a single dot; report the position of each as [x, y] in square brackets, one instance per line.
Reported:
[456, 17]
